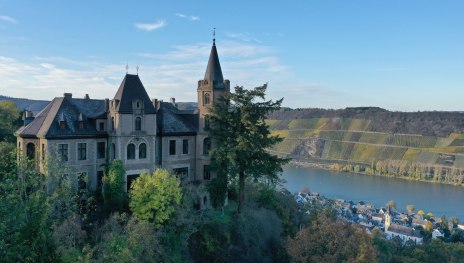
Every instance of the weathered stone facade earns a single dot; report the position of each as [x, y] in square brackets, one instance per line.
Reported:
[87, 134]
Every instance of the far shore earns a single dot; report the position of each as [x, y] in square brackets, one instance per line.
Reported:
[327, 166]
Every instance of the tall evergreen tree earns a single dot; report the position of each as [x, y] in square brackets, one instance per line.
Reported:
[241, 138]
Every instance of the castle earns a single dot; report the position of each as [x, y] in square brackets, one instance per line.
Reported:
[88, 134]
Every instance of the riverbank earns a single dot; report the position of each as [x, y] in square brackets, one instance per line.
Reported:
[342, 168]
[436, 198]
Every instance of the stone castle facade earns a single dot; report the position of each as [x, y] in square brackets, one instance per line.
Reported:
[88, 134]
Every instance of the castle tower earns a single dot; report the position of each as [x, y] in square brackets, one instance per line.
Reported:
[210, 89]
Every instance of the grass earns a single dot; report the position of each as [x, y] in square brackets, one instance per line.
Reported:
[313, 123]
[411, 154]
[272, 123]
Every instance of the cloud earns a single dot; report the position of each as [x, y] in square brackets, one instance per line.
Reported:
[151, 26]
[8, 19]
[245, 37]
[189, 17]
[170, 74]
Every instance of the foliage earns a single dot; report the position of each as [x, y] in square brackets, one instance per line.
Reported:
[114, 186]
[410, 208]
[328, 240]
[217, 189]
[283, 204]
[25, 224]
[124, 239]
[242, 137]
[9, 120]
[153, 197]
[391, 204]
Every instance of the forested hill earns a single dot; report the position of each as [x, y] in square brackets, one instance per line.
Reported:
[431, 123]
[27, 104]
[420, 145]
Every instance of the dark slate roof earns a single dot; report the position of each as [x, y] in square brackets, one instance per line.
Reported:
[213, 70]
[46, 123]
[398, 229]
[132, 89]
[174, 122]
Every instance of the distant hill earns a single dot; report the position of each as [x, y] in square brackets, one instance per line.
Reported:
[26, 104]
[370, 134]
[431, 123]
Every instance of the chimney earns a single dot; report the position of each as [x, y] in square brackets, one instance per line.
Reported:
[173, 102]
[28, 117]
[67, 95]
[86, 96]
[154, 101]
[107, 105]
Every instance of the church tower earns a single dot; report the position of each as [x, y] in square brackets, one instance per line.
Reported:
[210, 89]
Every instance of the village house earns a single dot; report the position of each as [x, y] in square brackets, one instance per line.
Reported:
[405, 233]
[86, 134]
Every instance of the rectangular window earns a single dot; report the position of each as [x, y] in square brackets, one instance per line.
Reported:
[63, 152]
[206, 172]
[43, 151]
[101, 126]
[101, 150]
[185, 146]
[172, 147]
[81, 151]
[82, 180]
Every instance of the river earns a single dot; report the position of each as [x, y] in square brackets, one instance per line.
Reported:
[439, 199]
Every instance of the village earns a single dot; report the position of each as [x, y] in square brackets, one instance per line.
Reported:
[407, 226]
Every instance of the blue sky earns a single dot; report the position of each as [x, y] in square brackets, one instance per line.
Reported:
[399, 55]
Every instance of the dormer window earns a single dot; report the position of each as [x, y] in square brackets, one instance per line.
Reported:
[80, 121]
[61, 122]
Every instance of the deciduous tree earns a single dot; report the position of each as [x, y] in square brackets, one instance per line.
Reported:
[153, 197]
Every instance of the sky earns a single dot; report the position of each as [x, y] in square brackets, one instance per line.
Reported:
[401, 55]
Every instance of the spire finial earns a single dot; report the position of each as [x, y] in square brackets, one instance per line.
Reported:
[138, 69]
[214, 35]
[127, 68]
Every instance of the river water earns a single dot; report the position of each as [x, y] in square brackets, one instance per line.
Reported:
[439, 199]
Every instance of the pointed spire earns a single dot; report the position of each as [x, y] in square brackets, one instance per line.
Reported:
[213, 70]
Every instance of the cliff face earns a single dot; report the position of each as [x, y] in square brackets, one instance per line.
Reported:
[366, 135]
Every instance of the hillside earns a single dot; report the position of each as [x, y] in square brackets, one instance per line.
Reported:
[365, 136]
[27, 104]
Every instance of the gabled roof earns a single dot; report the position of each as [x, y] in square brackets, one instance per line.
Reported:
[71, 111]
[213, 70]
[132, 89]
[173, 122]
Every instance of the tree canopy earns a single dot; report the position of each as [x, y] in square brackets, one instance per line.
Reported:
[241, 138]
[154, 197]
[9, 120]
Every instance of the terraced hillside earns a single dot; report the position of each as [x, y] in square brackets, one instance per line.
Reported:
[354, 141]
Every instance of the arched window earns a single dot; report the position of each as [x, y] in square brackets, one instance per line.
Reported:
[206, 99]
[206, 145]
[30, 150]
[138, 124]
[130, 151]
[142, 151]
